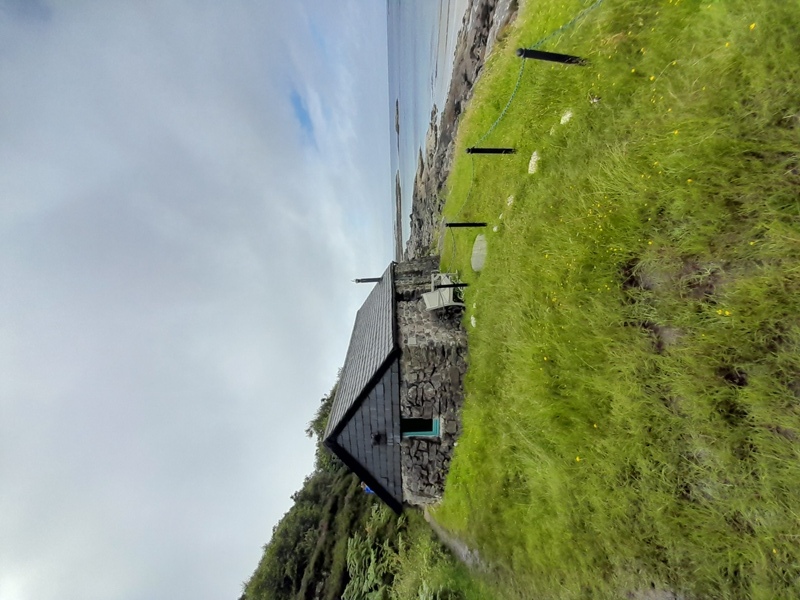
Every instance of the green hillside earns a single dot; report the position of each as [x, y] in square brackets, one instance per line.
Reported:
[632, 421]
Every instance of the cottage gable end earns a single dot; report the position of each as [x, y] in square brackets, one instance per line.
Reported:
[364, 427]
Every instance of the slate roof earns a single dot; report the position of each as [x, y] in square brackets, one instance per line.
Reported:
[364, 426]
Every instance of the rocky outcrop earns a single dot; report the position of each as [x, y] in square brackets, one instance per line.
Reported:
[505, 11]
[483, 22]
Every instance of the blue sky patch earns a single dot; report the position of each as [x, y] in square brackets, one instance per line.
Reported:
[26, 10]
[302, 115]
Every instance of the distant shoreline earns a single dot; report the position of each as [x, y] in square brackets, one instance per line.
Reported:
[483, 20]
[398, 218]
[398, 197]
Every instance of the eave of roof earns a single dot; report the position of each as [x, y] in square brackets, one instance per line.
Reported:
[364, 475]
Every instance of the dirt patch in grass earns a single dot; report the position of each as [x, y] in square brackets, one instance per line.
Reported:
[664, 336]
[701, 281]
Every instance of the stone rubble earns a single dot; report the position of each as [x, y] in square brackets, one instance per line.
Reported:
[432, 368]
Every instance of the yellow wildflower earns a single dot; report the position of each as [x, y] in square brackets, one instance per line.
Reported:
[577, 459]
[752, 26]
[652, 77]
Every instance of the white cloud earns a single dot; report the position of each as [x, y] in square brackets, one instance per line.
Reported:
[177, 264]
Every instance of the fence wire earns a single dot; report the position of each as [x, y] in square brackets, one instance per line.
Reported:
[517, 85]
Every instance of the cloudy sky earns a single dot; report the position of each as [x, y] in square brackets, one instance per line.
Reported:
[187, 188]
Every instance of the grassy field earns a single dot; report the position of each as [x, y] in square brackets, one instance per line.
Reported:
[632, 422]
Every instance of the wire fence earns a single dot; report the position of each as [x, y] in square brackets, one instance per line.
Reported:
[581, 15]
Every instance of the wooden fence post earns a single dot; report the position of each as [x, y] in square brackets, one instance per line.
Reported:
[566, 59]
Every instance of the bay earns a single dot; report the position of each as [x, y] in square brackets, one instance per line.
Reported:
[422, 37]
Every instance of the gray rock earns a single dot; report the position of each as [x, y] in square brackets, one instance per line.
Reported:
[479, 249]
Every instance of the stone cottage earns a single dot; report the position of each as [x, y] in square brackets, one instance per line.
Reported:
[395, 417]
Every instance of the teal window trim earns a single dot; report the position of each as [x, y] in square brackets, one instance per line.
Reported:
[433, 433]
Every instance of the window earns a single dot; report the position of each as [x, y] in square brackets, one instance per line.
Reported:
[419, 427]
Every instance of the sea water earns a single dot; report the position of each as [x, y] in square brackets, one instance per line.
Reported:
[422, 37]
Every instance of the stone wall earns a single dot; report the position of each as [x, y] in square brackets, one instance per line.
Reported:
[432, 368]
[413, 277]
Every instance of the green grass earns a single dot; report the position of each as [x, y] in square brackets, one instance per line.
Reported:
[633, 398]
[426, 571]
